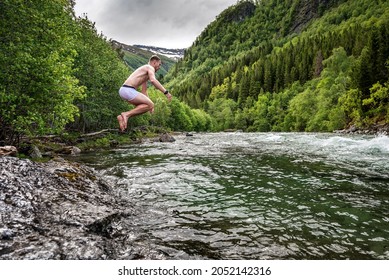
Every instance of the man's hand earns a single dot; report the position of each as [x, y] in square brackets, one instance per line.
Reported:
[169, 96]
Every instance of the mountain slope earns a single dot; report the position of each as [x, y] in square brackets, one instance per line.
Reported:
[171, 53]
[247, 27]
[138, 55]
[255, 52]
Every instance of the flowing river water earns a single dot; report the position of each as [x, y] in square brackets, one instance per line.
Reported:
[256, 195]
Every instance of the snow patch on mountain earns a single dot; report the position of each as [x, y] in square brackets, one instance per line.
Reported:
[171, 53]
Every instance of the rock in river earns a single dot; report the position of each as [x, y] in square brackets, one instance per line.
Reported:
[62, 210]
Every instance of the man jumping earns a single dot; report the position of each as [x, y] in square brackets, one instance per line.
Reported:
[141, 101]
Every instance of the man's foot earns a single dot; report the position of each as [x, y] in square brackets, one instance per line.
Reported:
[124, 120]
[122, 123]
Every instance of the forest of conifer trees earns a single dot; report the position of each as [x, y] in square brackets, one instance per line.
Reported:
[338, 62]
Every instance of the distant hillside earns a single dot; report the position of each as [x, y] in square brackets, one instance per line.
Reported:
[172, 53]
[298, 65]
[249, 26]
[138, 55]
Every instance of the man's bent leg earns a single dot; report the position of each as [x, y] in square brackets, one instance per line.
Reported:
[142, 105]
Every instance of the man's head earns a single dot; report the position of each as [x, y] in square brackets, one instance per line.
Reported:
[156, 62]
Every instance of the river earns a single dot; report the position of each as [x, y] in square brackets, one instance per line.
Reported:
[256, 195]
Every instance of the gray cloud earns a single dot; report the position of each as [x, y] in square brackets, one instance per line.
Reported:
[162, 23]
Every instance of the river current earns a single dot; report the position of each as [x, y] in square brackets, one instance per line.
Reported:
[256, 195]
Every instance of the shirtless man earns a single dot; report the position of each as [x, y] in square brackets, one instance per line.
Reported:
[141, 101]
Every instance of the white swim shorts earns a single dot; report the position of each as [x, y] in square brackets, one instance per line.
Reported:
[128, 93]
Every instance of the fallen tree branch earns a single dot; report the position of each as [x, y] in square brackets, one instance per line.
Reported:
[104, 131]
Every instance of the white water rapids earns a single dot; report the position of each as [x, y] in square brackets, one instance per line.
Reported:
[256, 195]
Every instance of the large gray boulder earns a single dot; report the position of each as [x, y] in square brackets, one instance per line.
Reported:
[62, 210]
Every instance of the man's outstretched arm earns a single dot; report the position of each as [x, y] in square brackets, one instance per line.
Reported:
[157, 84]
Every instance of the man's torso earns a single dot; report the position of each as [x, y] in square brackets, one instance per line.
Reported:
[138, 77]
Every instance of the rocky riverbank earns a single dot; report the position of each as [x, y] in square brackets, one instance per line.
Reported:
[377, 129]
[62, 210]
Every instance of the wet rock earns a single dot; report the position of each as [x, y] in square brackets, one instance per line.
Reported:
[34, 152]
[375, 129]
[70, 150]
[63, 210]
[6, 234]
[165, 137]
[114, 143]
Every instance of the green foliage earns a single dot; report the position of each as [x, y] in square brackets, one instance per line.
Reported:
[302, 108]
[101, 71]
[162, 109]
[176, 115]
[267, 65]
[317, 107]
[258, 114]
[351, 106]
[333, 83]
[378, 103]
[37, 88]
[57, 73]
[282, 49]
[222, 112]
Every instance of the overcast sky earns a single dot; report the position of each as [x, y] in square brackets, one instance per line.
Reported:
[160, 23]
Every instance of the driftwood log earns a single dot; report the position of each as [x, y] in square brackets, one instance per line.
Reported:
[8, 151]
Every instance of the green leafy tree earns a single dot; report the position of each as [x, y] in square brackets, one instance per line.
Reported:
[334, 83]
[351, 106]
[222, 113]
[37, 52]
[203, 121]
[259, 114]
[278, 106]
[179, 120]
[302, 108]
[162, 110]
[378, 104]
[101, 71]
